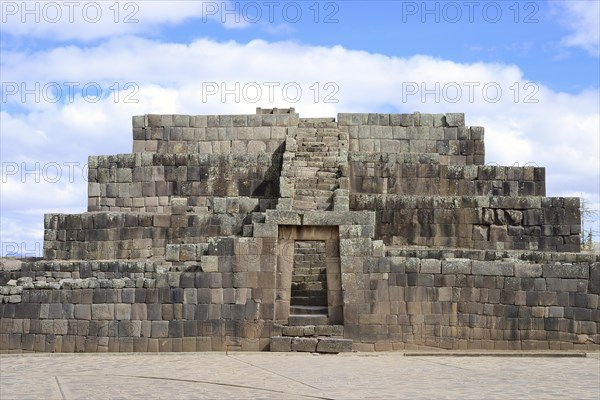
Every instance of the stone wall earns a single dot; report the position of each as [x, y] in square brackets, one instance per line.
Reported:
[442, 136]
[145, 182]
[465, 304]
[211, 134]
[390, 302]
[493, 223]
[393, 174]
[223, 301]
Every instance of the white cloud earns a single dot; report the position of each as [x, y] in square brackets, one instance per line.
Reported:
[89, 20]
[582, 18]
[525, 123]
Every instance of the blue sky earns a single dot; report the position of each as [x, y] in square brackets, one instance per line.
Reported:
[73, 75]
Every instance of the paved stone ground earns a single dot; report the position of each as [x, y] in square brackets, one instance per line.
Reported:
[296, 376]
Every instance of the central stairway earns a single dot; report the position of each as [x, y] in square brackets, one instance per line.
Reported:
[308, 301]
[311, 166]
[312, 180]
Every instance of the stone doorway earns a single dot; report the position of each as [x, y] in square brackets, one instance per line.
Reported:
[317, 247]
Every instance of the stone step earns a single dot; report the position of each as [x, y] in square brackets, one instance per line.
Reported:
[310, 286]
[310, 344]
[308, 301]
[324, 200]
[312, 319]
[326, 174]
[308, 310]
[305, 154]
[328, 132]
[308, 136]
[313, 155]
[313, 204]
[304, 205]
[309, 330]
[318, 186]
[314, 144]
[307, 278]
[313, 150]
[315, 200]
[313, 180]
[308, 292]
[300, 198]
[326, 186]
[313, 192]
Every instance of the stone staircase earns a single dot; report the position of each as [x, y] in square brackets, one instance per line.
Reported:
[311, 170]
[309, 280]
[318, 338]
[312, 179]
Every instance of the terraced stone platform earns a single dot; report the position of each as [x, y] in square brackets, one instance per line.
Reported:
[230, 232]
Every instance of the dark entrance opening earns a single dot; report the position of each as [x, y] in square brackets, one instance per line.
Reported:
[309, 278]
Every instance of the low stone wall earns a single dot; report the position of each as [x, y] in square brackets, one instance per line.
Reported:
[389, 302]
[492, 223]
[464, 304]
[141, 306]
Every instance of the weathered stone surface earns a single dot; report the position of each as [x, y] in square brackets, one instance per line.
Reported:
[244, 232]
[283, 217]
[339, 218]
[456, 266]
[265, 230]
[431, 266]
[281, 344]
[103, 311]
[565, 271]
[528, 270]
[304, 344]
[492, 268]
[334, 345]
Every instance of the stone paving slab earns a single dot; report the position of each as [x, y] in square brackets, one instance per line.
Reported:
[298, 376]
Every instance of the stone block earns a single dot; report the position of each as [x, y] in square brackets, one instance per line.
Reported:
[122, 311]
[554, 312]
[528, 270]
[265, 230]
[160, 329]
[103, 311]
[307, 344]
[283, 217]
[558, 270]
[456, 266]
[334, 345]
[209, 263]
[281, 344]
[139, 311]
[172, 252]
[83, 311]
[339, 218]
[455, 119]
[493, 268]
[430, 266]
